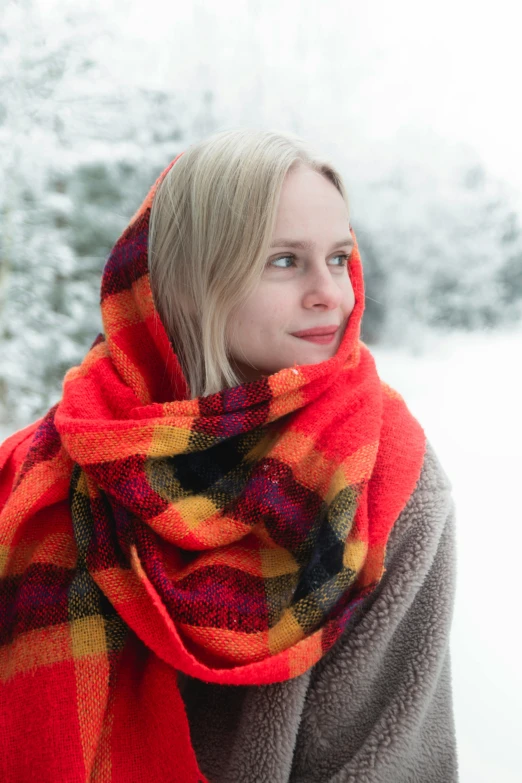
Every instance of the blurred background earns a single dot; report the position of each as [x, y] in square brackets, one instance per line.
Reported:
[418, 106]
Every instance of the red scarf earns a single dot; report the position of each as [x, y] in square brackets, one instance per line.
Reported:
[230, 537]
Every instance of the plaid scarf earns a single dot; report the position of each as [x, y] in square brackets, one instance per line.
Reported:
[231, 537]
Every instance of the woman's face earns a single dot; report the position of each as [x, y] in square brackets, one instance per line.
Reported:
[302, 287]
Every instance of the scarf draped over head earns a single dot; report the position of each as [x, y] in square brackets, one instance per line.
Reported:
[231, 537]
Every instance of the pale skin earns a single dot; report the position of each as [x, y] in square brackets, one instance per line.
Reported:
[301, 287]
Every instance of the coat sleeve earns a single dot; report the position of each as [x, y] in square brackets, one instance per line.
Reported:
[378, 708]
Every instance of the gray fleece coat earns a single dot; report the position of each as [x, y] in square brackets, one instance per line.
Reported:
[378, 707]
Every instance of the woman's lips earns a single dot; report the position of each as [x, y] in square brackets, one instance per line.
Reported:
[322, 335]
[320, 339]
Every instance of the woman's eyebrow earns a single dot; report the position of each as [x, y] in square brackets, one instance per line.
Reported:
[304, 245]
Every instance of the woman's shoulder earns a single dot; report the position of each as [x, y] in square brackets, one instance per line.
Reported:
[425, 515]
[433, 475]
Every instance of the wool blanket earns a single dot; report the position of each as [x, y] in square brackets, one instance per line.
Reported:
[142, 534]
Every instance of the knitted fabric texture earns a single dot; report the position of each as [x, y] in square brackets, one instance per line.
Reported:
[231, 537]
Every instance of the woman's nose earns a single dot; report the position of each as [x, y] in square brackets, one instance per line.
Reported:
[322, 290]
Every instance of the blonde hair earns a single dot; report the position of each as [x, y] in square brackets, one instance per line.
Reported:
[211, 224]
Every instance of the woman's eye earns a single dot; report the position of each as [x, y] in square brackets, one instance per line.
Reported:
[344, 259]
[276, 261]
[285, 262]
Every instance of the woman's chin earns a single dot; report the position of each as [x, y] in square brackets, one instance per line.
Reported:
[317, 354]
[308, 357]
[313, 354]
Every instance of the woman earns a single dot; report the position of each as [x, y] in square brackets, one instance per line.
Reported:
[227, 553]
